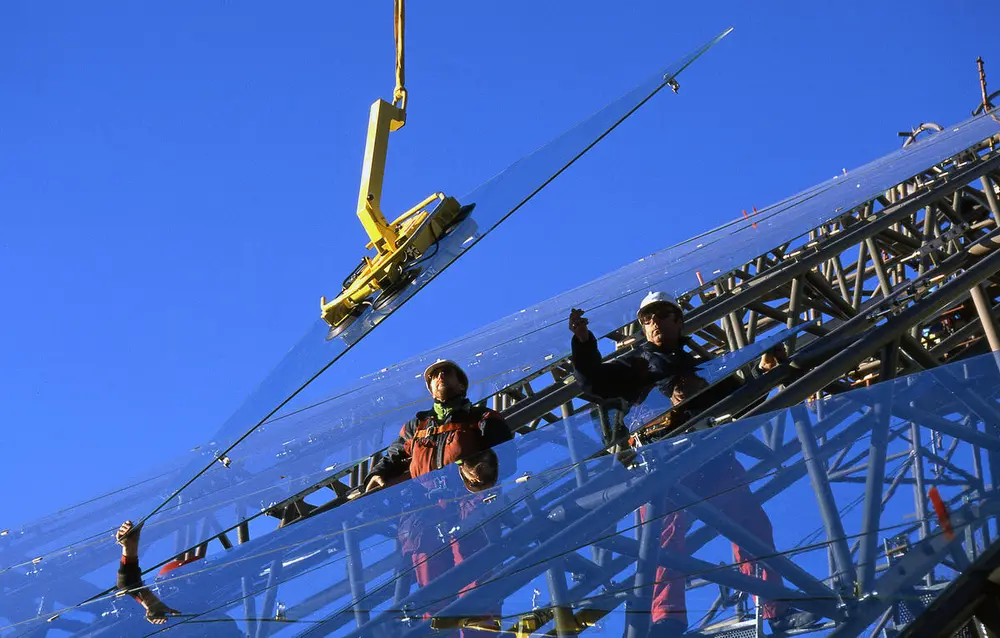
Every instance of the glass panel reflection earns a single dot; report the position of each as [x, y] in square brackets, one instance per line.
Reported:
[690, 530]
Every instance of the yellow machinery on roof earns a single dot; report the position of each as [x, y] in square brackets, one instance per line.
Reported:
[397, 244]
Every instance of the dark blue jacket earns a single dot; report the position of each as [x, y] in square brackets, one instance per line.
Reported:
[631, 377]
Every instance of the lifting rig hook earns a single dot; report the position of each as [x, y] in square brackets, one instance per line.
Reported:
[397, 244]
[986, 105]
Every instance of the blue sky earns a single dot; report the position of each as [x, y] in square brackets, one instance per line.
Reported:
[178, 182]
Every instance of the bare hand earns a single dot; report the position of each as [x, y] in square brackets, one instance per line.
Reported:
[578, 325]
[128, 537]
[772, 358]
[374, 483]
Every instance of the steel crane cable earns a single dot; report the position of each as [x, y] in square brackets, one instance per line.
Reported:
[399, 19]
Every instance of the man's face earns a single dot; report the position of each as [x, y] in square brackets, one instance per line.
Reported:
[662, 324]
[445, 384]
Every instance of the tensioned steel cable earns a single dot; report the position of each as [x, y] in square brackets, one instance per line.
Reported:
[194, 618]
[566, 468]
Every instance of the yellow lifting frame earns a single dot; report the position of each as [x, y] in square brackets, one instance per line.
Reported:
[399, 243]
[382, 119]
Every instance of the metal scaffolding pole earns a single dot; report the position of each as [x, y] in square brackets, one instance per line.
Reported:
[645, 571]
[355, 573]
[879, 336]
[876, 471]
[827, 503]
[983, 307]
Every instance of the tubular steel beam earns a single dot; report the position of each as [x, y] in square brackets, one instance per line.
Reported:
[715, 306]
[355, 574]
[983, 308]
[556, 579]
[825, 499]
[645, 571]
[531, 408]
[872, 512]
[736, 533]
[270, 599]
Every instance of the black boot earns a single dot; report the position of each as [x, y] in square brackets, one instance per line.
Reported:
[793, 620]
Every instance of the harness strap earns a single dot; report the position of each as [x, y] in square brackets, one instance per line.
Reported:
[429, 431]
[425, 431]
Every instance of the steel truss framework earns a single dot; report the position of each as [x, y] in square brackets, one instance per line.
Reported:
[901, 284]
[904, 283]
[542, 532]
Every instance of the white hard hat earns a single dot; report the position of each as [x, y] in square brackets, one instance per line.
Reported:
[658, 297]
[445, 363]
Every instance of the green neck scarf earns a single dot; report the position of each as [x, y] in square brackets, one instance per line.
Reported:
[445, 410]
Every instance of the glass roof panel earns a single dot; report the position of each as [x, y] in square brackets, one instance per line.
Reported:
[816, 498]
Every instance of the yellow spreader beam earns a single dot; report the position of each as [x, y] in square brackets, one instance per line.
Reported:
[397, 244]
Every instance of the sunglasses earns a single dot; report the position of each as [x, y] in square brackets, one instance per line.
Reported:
[647, 318]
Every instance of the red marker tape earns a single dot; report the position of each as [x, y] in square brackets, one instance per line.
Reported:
[944, 518]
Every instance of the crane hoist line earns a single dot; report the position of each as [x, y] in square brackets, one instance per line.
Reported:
[397, 245]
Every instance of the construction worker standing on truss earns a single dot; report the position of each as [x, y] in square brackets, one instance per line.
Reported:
[454, 431]
[663, 363]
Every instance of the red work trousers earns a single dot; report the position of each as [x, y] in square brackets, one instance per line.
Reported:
[424, 535]
[724, 484]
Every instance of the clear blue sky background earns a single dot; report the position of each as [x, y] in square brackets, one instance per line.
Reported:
[178, 180]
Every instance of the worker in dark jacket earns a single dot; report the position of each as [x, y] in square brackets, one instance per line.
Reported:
[453, 431]
[661, 362]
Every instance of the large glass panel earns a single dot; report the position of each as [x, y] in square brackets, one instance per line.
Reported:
[364, 418]
[835, 515]
[494, 201]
